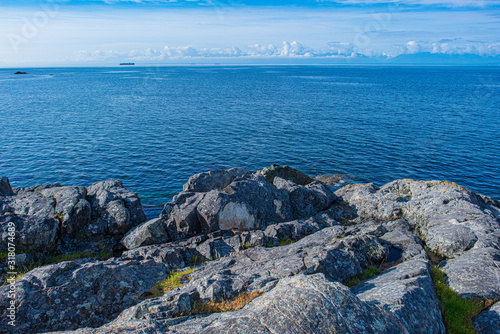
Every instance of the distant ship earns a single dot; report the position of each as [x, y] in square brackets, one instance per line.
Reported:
[128, 64]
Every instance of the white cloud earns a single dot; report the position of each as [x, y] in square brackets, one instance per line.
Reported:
[455, 46]
[291, 50]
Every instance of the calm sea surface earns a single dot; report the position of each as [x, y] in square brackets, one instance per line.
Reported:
[153, 127]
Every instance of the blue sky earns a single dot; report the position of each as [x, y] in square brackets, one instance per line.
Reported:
[104, 32]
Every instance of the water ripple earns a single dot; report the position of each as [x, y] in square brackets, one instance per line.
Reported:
[160, 125]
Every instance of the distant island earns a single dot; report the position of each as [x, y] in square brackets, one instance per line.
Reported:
[19, 72]
[127, 64]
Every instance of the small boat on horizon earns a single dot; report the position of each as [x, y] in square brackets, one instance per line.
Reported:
[127, 64]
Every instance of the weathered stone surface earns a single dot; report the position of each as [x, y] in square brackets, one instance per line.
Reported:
[32, 233]
[407, 291]
[259, 268]
[406, 241]
[182, 219]
[74, 294]
[453, 221]
[488, 322]
[475, 274]
[213, 180]
[148, 233]
[369, 203]
[256, 201]
[294, 230]
[53, 217]
[32, 204]
[309, 304]
[115, 209]
[235, 219]
[71, 205]
[248, 202]
[5, 188]
[450, 240]
[286, 173]
[306, 200]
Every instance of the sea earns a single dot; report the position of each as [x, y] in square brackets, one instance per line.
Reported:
[153, 127]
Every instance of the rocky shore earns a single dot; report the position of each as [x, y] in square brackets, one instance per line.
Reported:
[303, 257]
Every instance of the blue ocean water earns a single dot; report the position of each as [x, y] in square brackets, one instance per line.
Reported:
[154, 127]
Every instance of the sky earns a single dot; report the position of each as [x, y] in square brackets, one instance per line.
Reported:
[106, 32]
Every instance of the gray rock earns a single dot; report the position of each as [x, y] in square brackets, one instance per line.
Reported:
[306, 200]
[488, 321]
[74, 294]
[286, 173]
[115, 209]
[369, 203]
[407, 291]
[235, 199]
[183, 219]
[294, 230]
[248, 202]
[216, 248]
[213, 180]
[450, 240]
[32, 233]
[148, 233]
[5, 188]
[36, 188]
[406, 241]
[451, 220]
[257, 268]
[72, 206]
[32, 204]
[309, 304]
[475, 274]
[173, 255]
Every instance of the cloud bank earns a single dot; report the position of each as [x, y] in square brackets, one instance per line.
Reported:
[296, 50]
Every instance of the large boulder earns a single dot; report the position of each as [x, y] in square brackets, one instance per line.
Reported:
[55, 218]
[115, 209]
[306, 200]
[31, 216]
[72, 208]
[287, 173]
[79, 293]
[32, 233]
[213, 180]
[232, 199]
[488, 322]
[475, 274]
[247, 203]
[407, 291]
[310, 304]
[461, 227]
[148, 233]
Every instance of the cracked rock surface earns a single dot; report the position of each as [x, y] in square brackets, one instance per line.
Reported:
[288, 237]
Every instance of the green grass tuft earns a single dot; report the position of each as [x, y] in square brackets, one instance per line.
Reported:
[457, 312]
[234, 304]
[170, 283]
[197, 260]
[76, 256]
[283, 241]
[367, 273]
[246, 245]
